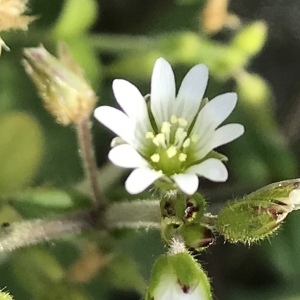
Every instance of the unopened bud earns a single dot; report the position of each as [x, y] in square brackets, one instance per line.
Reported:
[178, 276]
[60, 83]
[259, 214]
[184, 208]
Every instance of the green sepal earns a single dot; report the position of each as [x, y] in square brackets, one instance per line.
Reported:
[248, 221]
[169, 227]
[258, 214]
[180, 269]
[161, 267]
[277, 190]
[183, 208]
[196, 237]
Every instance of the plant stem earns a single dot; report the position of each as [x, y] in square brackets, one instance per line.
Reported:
[27, 233]
[134, 214]
[89, 162]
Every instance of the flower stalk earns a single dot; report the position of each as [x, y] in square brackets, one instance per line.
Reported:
[89, 162]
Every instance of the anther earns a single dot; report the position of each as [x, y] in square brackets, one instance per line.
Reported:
[182, 157]
[180, 135]
[186, 143]
[171, 152]
[159, 140]
[155, 158]
[182, 122]
[165, 127]
[174, 119]
[149, 135]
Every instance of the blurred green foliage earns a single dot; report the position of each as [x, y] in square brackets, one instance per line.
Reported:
[40, 165]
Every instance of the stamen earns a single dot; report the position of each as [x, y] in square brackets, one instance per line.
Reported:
[195, 138]
[160, 140]
[182, 157]
[182, 122]
[186, 143]
[180, 135]
[155, 158]
[174, 119]
[166, 129]
[171, 152]
[149, 135]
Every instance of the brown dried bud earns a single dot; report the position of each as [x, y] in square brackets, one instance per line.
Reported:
[60, 83]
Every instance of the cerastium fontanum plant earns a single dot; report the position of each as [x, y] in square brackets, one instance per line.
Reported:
[168, 140]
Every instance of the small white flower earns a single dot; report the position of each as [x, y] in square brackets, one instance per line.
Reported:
[177, 276]
[173, 137]
[170, 289]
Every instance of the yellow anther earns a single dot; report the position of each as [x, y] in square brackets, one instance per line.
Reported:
[182, 122]
[174, 119]
[182, 157]
[165, 127]
[149, 135]
[186, 143]
[171, 152]
[155, 158]
[160, 140]
[195, 138]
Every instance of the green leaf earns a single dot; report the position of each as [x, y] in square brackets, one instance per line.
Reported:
[76, 17]
[44, 269]
[21, 149]
[36, 203]
[124, 273]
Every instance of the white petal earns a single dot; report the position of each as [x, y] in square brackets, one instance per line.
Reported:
[132, 102]
[188, 183]
[140, 179]
[214, 113]
[221, 136]
[191, 92]
[162, 91]
[227, 134]
[126, 156]
[212, 169]
[116, 121]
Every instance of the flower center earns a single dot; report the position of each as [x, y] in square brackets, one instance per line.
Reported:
[173, 151]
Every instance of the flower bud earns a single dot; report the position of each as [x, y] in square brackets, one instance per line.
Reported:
[178, 276]
[251, 39]
[259, 214]
[60, 83]
[182, 207]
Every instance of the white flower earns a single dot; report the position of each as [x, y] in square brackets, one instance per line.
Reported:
[172, 137]
[177, 276]
[170, 289]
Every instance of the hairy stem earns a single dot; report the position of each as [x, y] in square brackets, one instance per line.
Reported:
[135, 214]
[27, 233]
[89, 161]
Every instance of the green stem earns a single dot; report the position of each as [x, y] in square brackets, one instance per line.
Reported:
[25, 233]
[135, 214]
[89, 162]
